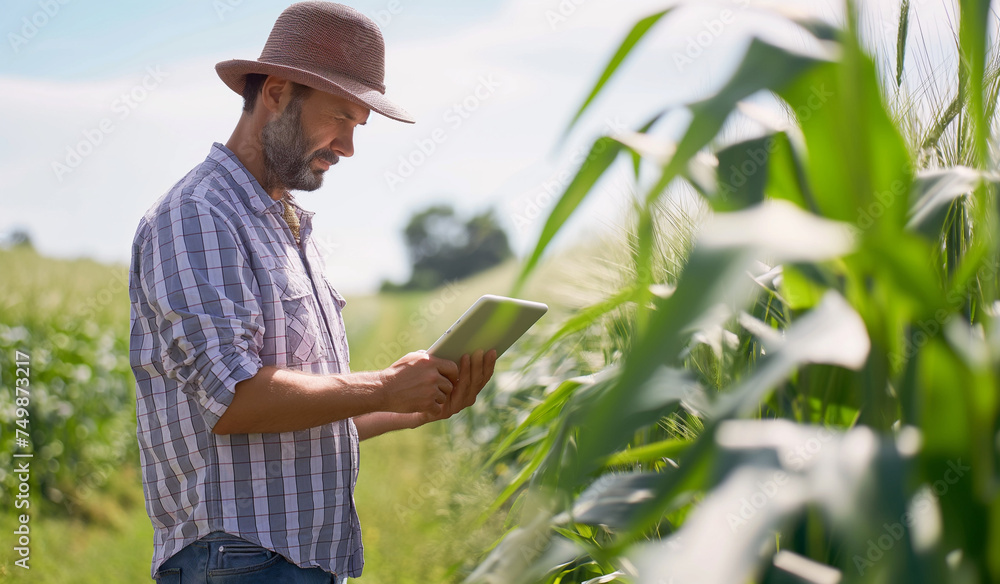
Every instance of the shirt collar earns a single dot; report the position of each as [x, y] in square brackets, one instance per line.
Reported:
[253, 195]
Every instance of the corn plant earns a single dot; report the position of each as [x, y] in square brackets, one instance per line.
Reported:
[71, 318]
[814, 397]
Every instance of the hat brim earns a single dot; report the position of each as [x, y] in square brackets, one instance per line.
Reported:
[233, 73]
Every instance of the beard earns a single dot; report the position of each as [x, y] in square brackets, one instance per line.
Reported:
[287, 161]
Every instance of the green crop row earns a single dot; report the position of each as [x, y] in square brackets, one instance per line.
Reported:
[68, 391]
[794, 375]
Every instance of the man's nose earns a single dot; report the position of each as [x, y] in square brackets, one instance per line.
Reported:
[343, 145]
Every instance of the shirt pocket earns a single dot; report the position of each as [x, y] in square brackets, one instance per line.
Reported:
[303, 335]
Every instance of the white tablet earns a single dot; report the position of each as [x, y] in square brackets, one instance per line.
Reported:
[492, 322]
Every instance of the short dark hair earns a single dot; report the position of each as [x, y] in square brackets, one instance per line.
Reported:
[252, 89]
[254, 84]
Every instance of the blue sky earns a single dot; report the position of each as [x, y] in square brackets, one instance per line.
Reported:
[87, 39]
[531, 61]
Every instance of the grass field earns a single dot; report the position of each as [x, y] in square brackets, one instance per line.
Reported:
[416, 494]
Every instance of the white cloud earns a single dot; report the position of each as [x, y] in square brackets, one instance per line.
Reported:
[500, 154]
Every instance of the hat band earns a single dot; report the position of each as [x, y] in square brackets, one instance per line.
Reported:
[330, 74]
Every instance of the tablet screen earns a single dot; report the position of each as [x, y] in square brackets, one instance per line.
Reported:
[492, 322]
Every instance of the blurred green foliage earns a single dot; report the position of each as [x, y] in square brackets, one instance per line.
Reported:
[812, 396]
[71, 319]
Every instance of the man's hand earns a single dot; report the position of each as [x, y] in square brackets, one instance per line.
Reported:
[424, 389]
[475, 370]
[418, 383]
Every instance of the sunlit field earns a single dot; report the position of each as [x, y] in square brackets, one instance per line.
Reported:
[780, 364]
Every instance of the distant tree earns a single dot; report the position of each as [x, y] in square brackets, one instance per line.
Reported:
[443, 246]
[18, 237]
[389, 286]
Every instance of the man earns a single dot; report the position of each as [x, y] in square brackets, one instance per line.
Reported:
[248, 415]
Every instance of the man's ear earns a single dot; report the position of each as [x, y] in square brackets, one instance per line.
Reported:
[272, 91]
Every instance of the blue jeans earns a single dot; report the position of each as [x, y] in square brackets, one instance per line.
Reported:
[221, 558]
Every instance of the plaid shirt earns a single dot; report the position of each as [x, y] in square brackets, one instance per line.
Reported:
[219, 289]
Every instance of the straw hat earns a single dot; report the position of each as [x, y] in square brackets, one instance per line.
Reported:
[329, 47]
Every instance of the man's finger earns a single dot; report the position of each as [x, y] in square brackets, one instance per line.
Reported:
[465, 371]
[448, 368]
[459, 386]
[477, 369]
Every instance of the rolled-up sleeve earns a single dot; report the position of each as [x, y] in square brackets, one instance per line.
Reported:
[199, 282]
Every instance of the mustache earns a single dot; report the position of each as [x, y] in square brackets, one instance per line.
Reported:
[326, 155]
